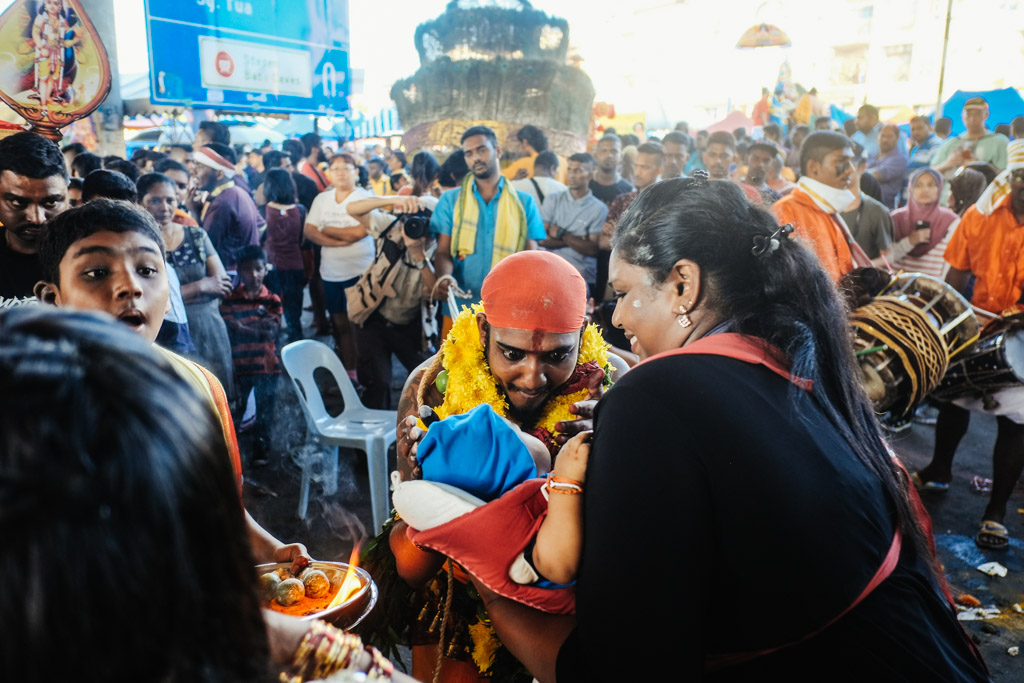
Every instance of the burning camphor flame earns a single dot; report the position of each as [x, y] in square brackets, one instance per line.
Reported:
[350, 585]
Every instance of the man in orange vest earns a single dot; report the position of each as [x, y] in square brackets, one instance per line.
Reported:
[823, 191]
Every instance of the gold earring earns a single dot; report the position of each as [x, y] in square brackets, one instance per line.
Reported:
[683, 319]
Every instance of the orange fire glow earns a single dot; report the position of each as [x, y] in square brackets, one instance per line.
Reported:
[350, 585]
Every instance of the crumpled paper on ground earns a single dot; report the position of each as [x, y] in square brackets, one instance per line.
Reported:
[976, 613]
[992, 569]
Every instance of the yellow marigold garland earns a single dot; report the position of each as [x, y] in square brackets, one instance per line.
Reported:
[485, 642]
[470, 382]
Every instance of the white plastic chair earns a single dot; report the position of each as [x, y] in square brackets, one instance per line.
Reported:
[371, 431]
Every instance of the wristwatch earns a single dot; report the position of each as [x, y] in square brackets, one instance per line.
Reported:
[419, 265]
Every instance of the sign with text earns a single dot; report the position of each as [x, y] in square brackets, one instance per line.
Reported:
[250, 55]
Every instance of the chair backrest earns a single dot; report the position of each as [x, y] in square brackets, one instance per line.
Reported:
[301, 359]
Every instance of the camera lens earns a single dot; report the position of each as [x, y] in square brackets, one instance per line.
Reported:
[415, 227]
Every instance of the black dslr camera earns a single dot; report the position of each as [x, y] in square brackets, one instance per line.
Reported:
[415, 225]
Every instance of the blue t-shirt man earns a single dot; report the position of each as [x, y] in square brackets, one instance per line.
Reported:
[470, 271]
[921, 155]
[869, 140]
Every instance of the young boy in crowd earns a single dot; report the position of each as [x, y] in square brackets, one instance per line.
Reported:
[108, 255]
[253, 317]
[400, 181]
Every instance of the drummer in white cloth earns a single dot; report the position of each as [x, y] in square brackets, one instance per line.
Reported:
[990, 247]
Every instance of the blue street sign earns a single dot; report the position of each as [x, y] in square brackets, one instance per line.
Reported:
[278, 56]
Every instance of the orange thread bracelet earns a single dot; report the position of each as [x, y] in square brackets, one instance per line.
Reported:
[564, 485]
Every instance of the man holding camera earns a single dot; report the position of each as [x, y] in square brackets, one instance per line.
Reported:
[385, 302]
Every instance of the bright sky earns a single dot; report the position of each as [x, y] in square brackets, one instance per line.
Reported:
[664, 57]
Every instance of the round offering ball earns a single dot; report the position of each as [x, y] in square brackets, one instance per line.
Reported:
[317, 584]
[290, 592]
[269, 583]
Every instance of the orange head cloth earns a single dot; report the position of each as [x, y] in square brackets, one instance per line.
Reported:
[535, 290]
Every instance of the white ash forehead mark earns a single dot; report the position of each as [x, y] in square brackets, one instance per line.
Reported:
[636, 303]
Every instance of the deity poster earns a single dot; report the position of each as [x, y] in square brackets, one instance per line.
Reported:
[53, 66]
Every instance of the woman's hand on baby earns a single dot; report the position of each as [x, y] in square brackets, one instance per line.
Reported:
[571, 461]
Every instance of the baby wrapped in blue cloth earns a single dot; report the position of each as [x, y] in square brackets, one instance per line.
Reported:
[481, 502]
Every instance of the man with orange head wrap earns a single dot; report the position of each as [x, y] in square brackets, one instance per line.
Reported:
[528, 352]
[526, 344]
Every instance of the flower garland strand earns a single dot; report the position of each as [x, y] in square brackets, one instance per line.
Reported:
[470, 382]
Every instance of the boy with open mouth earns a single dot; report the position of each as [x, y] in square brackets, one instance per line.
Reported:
[108, 255]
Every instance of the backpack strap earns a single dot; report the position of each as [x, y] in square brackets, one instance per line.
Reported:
[740, 347]
[540, 192]
[756, 351]
[892, 558]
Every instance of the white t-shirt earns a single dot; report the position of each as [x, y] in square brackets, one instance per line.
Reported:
[548, 186]
[177, 314]
[340, 263]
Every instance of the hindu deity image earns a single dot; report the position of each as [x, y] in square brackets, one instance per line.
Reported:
[53, 67]
[54, 43]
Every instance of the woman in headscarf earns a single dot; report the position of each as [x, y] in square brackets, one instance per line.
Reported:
[922, 229]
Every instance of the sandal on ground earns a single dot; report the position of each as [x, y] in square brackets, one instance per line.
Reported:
[992, 536]
[932, 486]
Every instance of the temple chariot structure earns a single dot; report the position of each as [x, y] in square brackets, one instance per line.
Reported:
[500, 63]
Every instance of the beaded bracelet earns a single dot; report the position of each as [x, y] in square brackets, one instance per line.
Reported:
[381, 667]
[325, 650]
[564, 485]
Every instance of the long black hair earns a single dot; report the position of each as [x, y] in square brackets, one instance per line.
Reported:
[782, 296]
[424, 169]
[278, 186]
[124, 549]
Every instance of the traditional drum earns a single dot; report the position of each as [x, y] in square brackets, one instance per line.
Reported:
[905, 337]
[948, 311]
[995, 362]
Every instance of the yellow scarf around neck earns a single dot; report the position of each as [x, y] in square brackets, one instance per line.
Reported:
[509, 224]
[217, 191]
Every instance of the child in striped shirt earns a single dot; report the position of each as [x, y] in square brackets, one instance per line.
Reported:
[253, 317]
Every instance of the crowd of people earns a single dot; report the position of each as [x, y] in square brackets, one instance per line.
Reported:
[720, 362]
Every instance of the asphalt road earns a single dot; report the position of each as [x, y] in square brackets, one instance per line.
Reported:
[956, 516]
